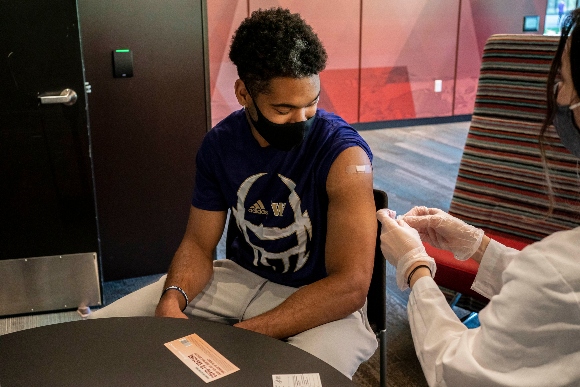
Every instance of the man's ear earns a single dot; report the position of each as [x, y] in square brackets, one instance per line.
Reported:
[242, 93]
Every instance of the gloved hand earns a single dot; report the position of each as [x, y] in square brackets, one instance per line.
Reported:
[402, 247]
[444, 231]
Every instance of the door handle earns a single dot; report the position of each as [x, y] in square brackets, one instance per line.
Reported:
[67, 97]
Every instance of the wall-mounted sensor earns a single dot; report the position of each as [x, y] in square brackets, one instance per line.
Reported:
[122, 63]
[531, 23]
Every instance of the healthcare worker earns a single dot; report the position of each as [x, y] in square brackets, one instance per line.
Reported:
[530, 330]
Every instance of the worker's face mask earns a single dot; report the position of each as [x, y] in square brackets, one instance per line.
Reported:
[281, 136]
[566, 126]
[567, 129]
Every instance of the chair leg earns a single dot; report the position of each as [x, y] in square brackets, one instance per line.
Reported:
[465, 320]
[455, 299]
[382, 336]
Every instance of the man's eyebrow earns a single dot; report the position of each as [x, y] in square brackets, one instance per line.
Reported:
[290, 106]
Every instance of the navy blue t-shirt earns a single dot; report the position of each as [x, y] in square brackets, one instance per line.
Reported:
[278, 198]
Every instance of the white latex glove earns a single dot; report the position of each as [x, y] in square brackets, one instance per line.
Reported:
[444, 231]
[402, 246]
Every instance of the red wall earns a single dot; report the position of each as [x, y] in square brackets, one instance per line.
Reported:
[384, 56]
[401, 58]
[224, 16]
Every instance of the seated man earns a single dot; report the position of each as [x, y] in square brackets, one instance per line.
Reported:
[298, 182]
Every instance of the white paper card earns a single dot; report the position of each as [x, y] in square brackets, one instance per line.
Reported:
[201, 358]
[296, 380]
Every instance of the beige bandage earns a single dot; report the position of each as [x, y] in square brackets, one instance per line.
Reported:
[359, 169]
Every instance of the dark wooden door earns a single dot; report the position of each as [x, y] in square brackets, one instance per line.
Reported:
[145, 129]
[46, 192]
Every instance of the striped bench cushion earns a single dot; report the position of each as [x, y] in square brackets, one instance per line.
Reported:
[501, 185]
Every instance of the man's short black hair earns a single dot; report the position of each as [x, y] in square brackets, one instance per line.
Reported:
[275, 43]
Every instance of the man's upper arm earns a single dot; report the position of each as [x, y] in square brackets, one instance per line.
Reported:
[352, 223]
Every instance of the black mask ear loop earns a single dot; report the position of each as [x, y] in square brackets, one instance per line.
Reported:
[258, 112]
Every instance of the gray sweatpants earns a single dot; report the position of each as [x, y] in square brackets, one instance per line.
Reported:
[235, 294]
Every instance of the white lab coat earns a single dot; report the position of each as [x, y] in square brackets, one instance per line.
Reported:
[530, 331]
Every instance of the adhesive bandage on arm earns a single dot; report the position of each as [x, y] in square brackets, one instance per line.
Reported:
[359, 169]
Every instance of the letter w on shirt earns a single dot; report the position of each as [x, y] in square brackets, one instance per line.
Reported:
[278, 208]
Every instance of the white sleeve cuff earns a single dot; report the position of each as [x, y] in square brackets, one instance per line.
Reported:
[497, 257]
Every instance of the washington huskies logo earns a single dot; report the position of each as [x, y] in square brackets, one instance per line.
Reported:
[278, 208]
[301, 227]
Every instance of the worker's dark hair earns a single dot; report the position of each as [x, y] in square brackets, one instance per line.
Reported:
[568, 32]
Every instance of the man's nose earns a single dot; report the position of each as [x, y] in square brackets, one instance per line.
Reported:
[299, 115]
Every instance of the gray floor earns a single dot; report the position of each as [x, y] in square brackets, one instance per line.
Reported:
[416, 166]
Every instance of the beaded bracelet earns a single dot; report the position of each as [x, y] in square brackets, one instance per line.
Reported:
[173, 287]
[413, 272]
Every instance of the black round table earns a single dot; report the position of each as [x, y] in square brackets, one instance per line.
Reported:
[130, 351]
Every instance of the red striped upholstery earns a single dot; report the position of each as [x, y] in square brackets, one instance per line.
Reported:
[500, 187]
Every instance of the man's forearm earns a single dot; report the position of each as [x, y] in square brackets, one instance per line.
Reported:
[329, 299]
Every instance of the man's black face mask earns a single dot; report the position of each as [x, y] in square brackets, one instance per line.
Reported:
[281, 136]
